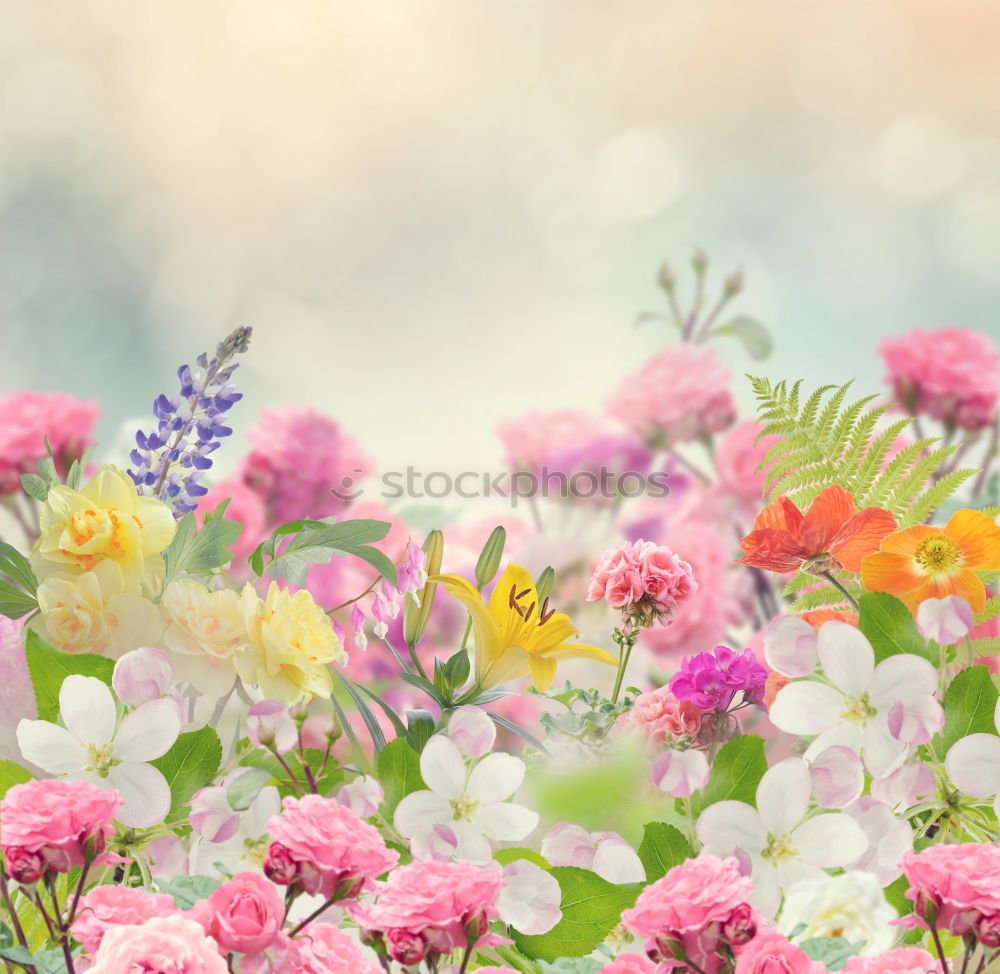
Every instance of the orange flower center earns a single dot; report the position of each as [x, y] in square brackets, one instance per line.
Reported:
[938, 554]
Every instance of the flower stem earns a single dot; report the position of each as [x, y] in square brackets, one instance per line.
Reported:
[312, 916]
[940, 950]
[840, 588]
[626, 640]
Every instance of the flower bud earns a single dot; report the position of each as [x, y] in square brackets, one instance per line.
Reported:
[476, 926]
[404, 947]
[988, 930]
[417, 611]
[741, 927]
[544, 583]
[699, 261]
[23, 866]
[666, 278]
[279, 866]
[270, 725]
[489, 558]
[141, 675]
[733, 284]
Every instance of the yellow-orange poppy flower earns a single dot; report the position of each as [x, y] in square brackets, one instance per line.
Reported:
[929, 563]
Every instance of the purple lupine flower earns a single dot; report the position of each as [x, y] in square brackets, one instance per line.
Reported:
[711, 681]
[170, 459]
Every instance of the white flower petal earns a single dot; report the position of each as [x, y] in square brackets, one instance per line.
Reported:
[87, 708]
[790, 646]
[766, 895]
[838, 777]
[495, 778]
[568, 844]
[783, 795]
[730, 825]
[53, 748]
[443, 767]
[847, 657]
[419, 812]
[530, 897]
[806, 707]
[831, 839]
[973, 764]
[841, 735]
[144, 792]
[148, 732]
[617, 862]
[903, 677]
[881, 752]
[472, 731]
[506, 822]
[472, 846]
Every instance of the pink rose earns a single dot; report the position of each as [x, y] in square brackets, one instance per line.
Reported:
[167, 945]
[442, 906]
[774, 953]
[325, 848]
[630, 964]
[738, 455]
[110, 906]
[65, 822]
[327, 948]
[538, 438]
[282, 956]
[692, 905]
[661, 717]
[900, 960]
[244, 914]
[953, 886]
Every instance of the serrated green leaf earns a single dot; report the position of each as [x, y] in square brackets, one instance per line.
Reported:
[12, 774]
[398, 768]
[200, 552]
[190, 764]
[889, 626]
[969, 704]
[662, 848]
[188, 890]
[48, 668]
[736, 772]
[506, 856]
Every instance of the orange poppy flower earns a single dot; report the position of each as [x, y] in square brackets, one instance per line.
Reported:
[832, 534]
[929, 563]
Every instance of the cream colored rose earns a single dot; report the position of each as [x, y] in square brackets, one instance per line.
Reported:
[291, 644]
[851, 906]
[203, 631]
[106, 520]
[95, 612]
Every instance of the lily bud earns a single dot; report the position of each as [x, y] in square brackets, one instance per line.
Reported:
[544, 583]
[417, 611]
[489, 558]
[141, 675]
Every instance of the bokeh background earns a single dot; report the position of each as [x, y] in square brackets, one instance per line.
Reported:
[438, 213]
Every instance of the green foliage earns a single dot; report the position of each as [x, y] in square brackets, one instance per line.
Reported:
[824, 442]
[188, 890]
[832, 952]
[266, 769]
[204, 552]
[969, 704]
[316, 542]
[890, 627]
[190, 764]
[662, 848]
[754, 337]
[506, 856]
[591, 909]
[12, 774]
[736, 772]
[588, 717]
[398, 769]
[19, 586]
[48, 668]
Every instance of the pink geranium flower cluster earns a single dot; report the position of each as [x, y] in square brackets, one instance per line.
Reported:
[952, 375]
[26, 418]
[677, 395]
[54, 825]
[431, 909]
[646, 581]
[697, 912]
[711, 681]
[661, 718]
[324, 848]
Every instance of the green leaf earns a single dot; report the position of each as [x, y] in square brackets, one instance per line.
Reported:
[591, 908]
[17, 568]
[374, 730]
[755, 338]
[832, 952]
[662, 848]
[735, 773]
[48, 668]
[890, 627]
[35, 487]
[200, 552]
[420, 727]
[457, 669]
[189, 765]
[188, 890]
[14, 603]
[969, 704]
[245, 787]
[398, 768]
[12, 774]
[506, 856]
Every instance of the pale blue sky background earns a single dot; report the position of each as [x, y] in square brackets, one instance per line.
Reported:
[437, 213]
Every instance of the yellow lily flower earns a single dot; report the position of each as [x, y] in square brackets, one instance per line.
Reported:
[514, 634]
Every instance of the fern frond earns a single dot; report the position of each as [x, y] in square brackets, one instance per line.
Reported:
[820, 598]
[991, 609]
[987, 646]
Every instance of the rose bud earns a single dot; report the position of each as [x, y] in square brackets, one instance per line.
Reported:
[404, 947]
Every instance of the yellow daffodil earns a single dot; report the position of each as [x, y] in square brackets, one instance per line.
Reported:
[106, 520]
[514, 635]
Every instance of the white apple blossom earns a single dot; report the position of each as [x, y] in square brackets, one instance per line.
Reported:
[605, 853]
[888, 836]
[464, 808]
[680, 773]
[530, 898]
[838, 777]
[973, 763]
[781, 843]
[946, 620]
[877, 711]
[94, 746]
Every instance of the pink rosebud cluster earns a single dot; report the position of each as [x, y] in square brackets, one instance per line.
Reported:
[952, 375]
[698, 913]
[646, 581]
[712, 681]
[661, 718]
[27, 418]
[956, 888]
[429, 909]
[679, 394]
[324, 848]
[54, 825]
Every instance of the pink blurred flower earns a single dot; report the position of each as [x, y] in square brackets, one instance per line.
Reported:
[17, 696]
[26, 418]
[899, 960]
[303, 464]
[661, 717]
[325, 848]
[952, 375]
[774, 953]
[536, 438]
[107, 906]
[737, 458]
[244, 914]
[678, 394]
[282, 956]
[63, 822]
[325, 948]
[630, 964]
[433, 906]
[173, 944]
